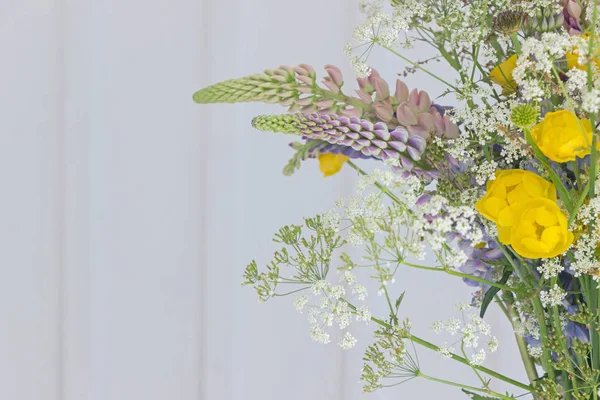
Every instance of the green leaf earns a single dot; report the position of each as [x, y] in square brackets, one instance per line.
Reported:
[302, 153]
[475, 396]
[489, 295]
[399, 300]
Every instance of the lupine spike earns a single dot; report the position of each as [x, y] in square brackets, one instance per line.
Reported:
[370, 139]
[290, 87]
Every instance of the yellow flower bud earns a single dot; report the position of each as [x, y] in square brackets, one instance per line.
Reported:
[540, 230]
[506, 193]
[561, 136]
[330, 164]
[502, 74]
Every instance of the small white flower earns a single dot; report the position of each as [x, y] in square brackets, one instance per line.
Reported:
[363, 314]
[300, 302]
[437, 326]
[552, 297]
[591, 101]
[360, 291]
[550, 268]
[337, 291]
[320, 286]
[342, 317]
[478, 358]
[331, 220]
[452, 326]
[493, 344]
[347, 341]
[445, 351]
[535, 352]
[319, 335]
[485, 171]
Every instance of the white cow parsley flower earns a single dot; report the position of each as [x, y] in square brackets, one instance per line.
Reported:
[347, 341]
[552, 297]
[550, 268]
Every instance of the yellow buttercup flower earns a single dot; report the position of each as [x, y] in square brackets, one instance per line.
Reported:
[540, 230]
[561, 136]
[330, 164]
[506, 193]
[502, 74]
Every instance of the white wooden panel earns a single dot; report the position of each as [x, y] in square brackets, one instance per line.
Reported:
[144, 195]
[76, 80]
[30, 216]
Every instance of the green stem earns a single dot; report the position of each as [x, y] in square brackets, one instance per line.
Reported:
[515, 41]
[467, 387]
[562, 190]
[465, 361]
[379, 185]
[577, 174]
[579, 203]
[546, 354]
[528, 363]
[416, 65]
[594, 298]
[590, 83]
[343, 98]
[595, 339]
[566, 355]
[455, 357]
[512, 262]
[461, 275]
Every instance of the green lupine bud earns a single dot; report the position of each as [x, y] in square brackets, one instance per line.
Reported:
[546, 21]
[251, 88]
[277, 123]
[524, 115]
[292, 87]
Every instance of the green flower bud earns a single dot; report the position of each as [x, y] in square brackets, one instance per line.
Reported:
[524, 115]
[277, 123]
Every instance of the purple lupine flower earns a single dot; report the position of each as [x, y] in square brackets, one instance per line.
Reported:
[577, 331]
[325, 147]
[478, 262]
[370, 139]
[572, 16]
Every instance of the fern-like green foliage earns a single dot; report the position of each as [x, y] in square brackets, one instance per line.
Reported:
[302, 261]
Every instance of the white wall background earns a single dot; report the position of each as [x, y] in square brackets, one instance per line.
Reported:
[129, 212]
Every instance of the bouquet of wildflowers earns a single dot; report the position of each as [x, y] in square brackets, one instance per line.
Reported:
[502, 187]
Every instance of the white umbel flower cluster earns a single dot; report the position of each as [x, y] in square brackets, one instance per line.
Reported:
[584, 253]
[326, 308]
[552, 297]
[536, 61]
[471, 329]
[550, 268]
